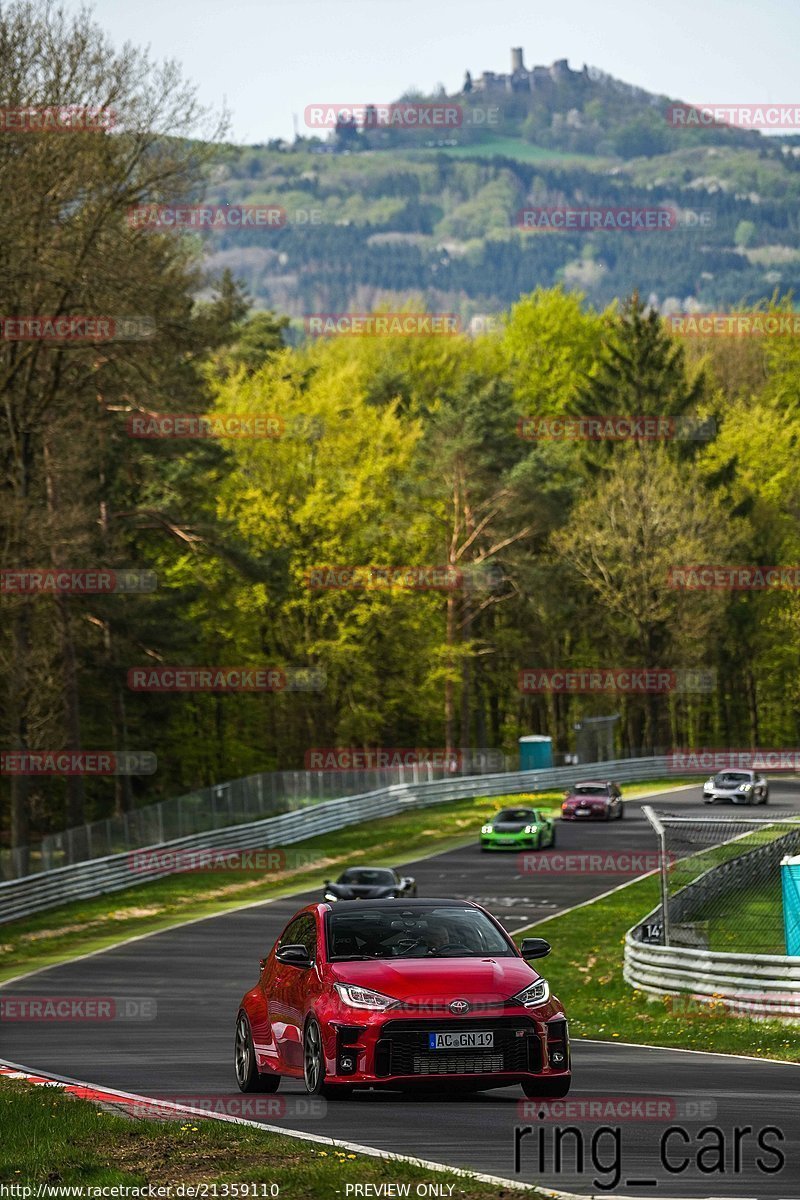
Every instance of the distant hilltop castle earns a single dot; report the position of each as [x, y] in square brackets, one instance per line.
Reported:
[520, 79]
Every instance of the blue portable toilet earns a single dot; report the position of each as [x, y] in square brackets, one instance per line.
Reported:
[790, 883]
[535, 752]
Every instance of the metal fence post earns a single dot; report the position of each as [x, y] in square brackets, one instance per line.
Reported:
[662, 839]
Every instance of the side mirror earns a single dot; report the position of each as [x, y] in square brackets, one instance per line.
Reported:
[534, 948]
[262, 962]
[567, 792]
[295, 956]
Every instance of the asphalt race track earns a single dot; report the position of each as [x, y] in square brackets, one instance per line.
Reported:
[196, 975]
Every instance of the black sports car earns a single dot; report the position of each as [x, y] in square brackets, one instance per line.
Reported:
[369, 883]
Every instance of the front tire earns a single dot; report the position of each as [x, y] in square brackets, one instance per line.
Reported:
[314, 1066]
[248, 1076]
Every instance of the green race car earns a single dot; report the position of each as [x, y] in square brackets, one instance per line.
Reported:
[518, 829]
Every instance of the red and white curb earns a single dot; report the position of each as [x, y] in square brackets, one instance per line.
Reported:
[131, 1100]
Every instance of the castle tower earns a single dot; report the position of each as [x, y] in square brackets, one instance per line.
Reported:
[516, 60]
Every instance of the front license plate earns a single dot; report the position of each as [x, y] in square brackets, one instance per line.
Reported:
[462, 1040]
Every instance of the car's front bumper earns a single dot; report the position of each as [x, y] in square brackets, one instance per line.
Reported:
[593, 814]
[391, 1049]
[510, 841]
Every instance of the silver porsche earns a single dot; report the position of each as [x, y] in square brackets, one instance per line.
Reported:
[740, 787]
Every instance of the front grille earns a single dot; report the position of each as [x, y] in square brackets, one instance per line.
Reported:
[403, 1048]
[458, 1064]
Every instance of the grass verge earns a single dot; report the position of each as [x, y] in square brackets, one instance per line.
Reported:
[53, 1139]
[86, 925]
[585, 971]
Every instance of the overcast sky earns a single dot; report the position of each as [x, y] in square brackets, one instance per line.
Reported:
[267, 59]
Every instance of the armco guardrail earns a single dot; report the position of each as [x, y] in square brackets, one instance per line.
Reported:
[35, 893]
[761, 985]
[236, 802]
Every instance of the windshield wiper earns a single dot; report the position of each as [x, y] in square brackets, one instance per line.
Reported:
[446, 952]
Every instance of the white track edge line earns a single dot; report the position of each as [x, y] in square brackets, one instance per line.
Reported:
[781, 1062]
[320, 1139]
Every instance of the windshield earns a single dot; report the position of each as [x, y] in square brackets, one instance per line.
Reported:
[729, 778]
[590, 789]
[374, 876]
[419, 932]
[516, 814]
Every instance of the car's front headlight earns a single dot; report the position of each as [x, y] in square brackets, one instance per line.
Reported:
[330, 896]
[537, 993]
[486, 829]
[361, 997]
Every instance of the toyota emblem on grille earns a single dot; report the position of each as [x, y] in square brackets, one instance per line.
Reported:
[459, 1006]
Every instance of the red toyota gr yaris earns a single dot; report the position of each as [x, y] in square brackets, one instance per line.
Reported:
[398, 994]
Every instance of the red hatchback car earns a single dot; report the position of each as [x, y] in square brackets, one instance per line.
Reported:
[401, 993]
[601, 801]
